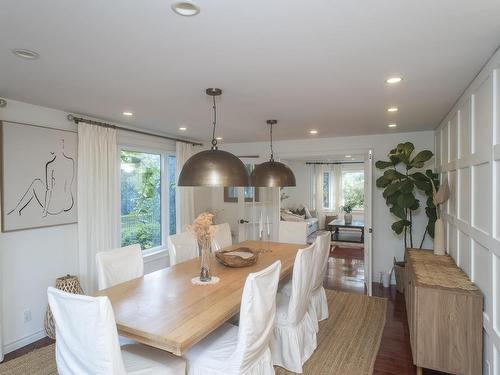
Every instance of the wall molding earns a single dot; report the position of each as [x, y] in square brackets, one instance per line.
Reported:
[23, 341]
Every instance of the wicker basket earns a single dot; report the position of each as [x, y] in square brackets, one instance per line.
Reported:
[399, 271]
[230, 258]
[69, 284]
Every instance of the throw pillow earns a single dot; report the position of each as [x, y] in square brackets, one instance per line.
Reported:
[307, 213]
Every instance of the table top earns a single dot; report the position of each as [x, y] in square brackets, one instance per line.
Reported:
[165, 310]
[341, 223]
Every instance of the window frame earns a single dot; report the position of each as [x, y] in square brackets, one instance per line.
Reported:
[164, 183]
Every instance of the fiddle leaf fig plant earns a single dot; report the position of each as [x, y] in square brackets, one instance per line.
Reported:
[400, 181]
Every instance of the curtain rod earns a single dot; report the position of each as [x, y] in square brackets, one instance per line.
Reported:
[77, 120]
[334, 162]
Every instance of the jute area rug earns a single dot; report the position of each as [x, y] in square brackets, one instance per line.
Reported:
[348, 341]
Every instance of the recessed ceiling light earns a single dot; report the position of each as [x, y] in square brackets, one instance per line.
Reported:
[219, 138]
[25, 54]
[185, 8]
[127, 113]
[313, 131]
[348, 156]
[392, 109]
[182, 128]
[392, 80]
[392, 125]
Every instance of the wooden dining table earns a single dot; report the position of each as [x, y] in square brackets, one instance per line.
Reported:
[165, 310]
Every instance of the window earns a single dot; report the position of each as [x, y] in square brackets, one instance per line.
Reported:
[353, 188]
[326, 190]
[143, 180]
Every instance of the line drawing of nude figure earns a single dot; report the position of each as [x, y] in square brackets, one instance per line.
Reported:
[55, 194]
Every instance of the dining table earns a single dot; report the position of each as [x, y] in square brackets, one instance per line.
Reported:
[165, 310]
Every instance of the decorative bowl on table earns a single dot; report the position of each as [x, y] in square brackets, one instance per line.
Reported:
[240, 257]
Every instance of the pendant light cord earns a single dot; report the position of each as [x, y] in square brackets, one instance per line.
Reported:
[214, 140]
[271, 136]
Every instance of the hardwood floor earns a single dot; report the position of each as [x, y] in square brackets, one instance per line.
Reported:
[346, 273]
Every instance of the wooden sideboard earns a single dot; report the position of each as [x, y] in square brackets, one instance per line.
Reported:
[445, 314]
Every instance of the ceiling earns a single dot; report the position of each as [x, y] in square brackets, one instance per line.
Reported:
[311, 64]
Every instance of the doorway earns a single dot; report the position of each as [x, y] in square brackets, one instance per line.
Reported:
[336, 191]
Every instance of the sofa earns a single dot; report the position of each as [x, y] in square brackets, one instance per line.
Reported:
[295, 228]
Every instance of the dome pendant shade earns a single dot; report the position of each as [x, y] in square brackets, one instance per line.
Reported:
[213, 168]
[272, 174]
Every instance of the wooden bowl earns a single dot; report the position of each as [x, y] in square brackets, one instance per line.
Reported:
[240, 257]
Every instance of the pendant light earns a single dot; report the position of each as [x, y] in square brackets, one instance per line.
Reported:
[213, 167]
[272, 173]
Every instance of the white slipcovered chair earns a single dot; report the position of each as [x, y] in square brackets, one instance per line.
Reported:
[222, 237]
[119, 265]
[294, 337]
[181, 247]
[87, 340]
[244, 349]
[319, 303]
[318, 308]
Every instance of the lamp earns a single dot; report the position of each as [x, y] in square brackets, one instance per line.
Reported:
[272, 173]
[213, 167]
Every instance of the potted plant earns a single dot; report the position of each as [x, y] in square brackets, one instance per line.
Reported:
[401, 180]
[347, 208]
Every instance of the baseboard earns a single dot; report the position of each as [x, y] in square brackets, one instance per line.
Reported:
[16, 344]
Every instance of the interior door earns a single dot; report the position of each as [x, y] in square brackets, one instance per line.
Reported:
[368, 221]
[258, 210]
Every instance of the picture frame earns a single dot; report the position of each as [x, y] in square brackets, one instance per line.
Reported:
[38, 176]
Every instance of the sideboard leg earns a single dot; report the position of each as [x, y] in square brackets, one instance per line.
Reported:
[419, 370]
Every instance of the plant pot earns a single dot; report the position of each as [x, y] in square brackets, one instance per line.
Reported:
[399, 272]
[439, 245]
[348, 218]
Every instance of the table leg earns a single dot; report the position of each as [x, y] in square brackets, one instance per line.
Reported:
[419, 370]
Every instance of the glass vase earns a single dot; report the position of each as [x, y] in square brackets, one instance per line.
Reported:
[205, 247]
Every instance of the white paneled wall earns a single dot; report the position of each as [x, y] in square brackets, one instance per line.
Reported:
[468, 153]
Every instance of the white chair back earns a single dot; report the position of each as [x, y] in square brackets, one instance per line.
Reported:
[222, 237]
[257, 315]
[302, 281]
[182, 247]
[322, 251]
[87, 340]
[119, 265]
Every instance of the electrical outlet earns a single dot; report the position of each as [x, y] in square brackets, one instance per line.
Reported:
[27, 315]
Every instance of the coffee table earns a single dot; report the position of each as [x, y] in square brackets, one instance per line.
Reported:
[336, 224]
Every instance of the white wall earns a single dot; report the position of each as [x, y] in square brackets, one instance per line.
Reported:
[31, 260]
[468, 152]
[386, 244]
[300, 194]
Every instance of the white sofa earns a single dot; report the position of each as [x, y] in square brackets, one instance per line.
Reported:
[297, 231]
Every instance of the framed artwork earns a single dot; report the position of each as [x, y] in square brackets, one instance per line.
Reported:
[38, 176]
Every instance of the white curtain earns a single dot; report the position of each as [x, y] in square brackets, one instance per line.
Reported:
[335, 191]
[98, 211]
[184, 199]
